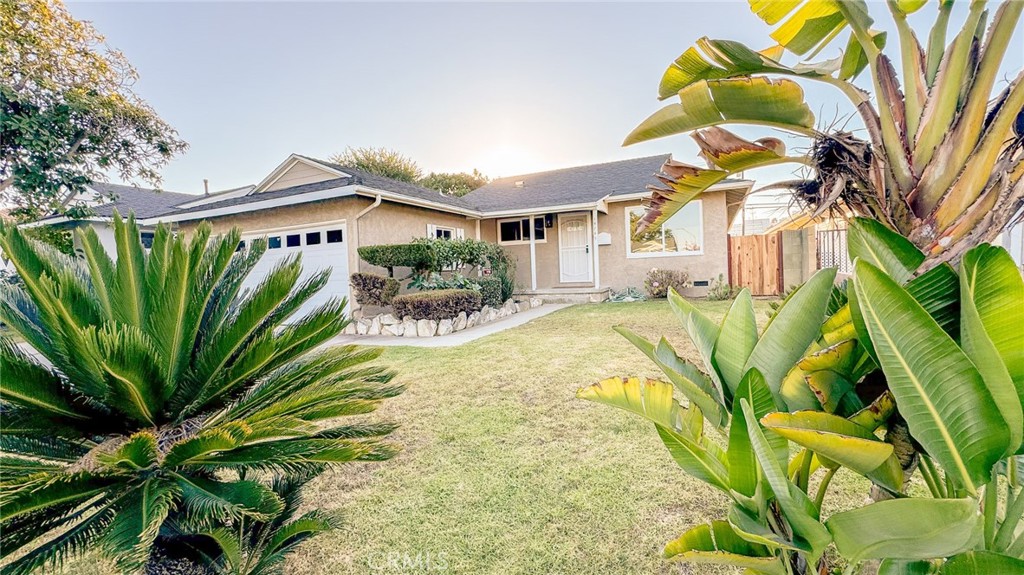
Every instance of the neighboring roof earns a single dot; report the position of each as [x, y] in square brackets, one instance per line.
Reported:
[144, 202]
[262, 196]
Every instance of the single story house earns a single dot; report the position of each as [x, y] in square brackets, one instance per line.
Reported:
[570, 229]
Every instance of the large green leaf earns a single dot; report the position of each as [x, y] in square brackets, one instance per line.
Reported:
[700, 458]
[903, 567]
[744, 472]
[718, 544]
[992, 310]
[690, 382]
[777, 103]
[869, 240]
[795, 326]
[963, 430]
[679, 428]
[982, 563]
[717, 59]
[798, 509]
[906, 529]
[702, 331]
[650, 399]
[750, 529]
[736, 340]
[810, 26]
[831, 436]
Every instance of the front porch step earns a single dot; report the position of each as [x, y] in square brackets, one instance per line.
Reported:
[567, 295]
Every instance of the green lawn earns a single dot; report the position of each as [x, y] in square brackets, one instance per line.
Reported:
[505, 472]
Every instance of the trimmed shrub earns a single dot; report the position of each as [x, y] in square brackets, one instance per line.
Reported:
[659, 281]
[436, 304]
[373, 289]
[419, 257]
[492, 290]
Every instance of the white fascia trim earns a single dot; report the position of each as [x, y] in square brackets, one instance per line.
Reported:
[714, 188]
[547, 209]
[287, 164]
[61, 220]
[329, 193]
[400, 199]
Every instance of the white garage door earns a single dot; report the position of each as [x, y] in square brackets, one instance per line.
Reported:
[322, 246]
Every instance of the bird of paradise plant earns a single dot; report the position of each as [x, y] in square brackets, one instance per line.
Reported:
[912, 370]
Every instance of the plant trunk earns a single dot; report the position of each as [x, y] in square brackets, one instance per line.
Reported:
[165, 561]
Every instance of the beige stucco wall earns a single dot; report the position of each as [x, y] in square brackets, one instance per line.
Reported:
[619, 271]
[388, 223]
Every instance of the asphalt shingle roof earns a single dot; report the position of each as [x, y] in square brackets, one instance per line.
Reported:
[143, 201]
[568, 186]
[564, 187]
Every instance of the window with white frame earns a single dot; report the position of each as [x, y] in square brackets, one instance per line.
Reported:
[445, 232]
[680, 235]
[518, 230]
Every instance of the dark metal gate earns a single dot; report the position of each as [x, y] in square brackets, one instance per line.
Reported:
[832, 251]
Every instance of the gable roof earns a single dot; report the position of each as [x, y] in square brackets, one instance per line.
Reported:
[579, 187]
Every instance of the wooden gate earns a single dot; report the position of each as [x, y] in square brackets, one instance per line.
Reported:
[755, 263]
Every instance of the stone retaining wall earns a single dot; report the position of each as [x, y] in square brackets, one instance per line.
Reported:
[388, 324]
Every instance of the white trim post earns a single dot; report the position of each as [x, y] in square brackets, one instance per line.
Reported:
[533, 254]
[597, 254]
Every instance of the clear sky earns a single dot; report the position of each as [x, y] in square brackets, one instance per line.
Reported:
[504, 88]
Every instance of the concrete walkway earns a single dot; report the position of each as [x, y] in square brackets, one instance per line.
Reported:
[455, 338]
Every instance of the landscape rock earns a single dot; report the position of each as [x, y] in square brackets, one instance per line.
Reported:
[408, 327]
[388, 319]
[473, 319]
[485, 314]
[492, 314]
[374, 326]
[445, 327]
[362, 326]
[350, 329]
[536, 302]
[520, 307]
[395, 329]
[426, 327]
[460, 321]
[502, 312]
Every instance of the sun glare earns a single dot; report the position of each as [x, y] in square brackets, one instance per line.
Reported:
[507, 160]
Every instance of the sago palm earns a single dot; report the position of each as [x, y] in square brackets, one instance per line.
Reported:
[941, 162]
[153, 395]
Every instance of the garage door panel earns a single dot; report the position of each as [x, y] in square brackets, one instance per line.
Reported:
[321, 247]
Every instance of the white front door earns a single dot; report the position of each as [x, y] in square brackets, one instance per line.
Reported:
[321, 245]
[574, 257]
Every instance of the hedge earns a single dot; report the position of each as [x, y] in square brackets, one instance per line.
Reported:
[491, 290]
[419, 257]
[437, 304]
[373, 289]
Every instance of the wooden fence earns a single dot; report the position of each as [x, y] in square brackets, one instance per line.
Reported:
[755, 262]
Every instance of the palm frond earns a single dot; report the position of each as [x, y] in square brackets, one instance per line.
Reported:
[227, 500]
